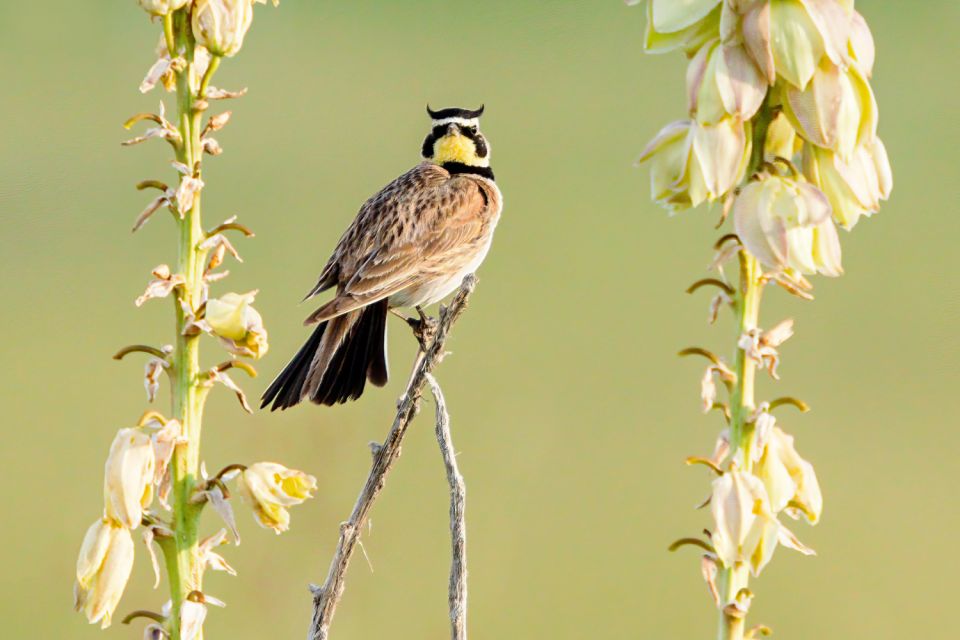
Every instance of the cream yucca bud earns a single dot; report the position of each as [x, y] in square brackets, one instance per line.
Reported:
[680, 24]
[192, 615]
[162, 7]
[854, 186]
[788, 38]
[791, 481]
[740, 509]
[692, 163]
[781, 140]
[103, 568]
[722, 81]
[862, 50]
[669, 157]
[837, 109]
[271, 488]
[128, 477]
[220, 25]
[746, 530]
[233, 319]
[786, 224]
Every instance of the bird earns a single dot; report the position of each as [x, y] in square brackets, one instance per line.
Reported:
[410, 245]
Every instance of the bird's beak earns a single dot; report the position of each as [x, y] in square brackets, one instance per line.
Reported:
[452, 129]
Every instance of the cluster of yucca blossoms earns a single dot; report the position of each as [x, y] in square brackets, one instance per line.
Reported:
[783, 133]
[154, 479]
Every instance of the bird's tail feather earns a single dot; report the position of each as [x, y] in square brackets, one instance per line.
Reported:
[335, 363]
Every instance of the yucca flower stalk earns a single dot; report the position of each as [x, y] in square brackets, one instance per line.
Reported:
[155, 479]
[782, 132]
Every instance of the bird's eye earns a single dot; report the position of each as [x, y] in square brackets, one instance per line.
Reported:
[470, 129]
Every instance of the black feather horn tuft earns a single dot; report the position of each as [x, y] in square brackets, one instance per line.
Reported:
[455, 112]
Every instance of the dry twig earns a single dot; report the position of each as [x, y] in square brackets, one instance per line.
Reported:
[458, 524]
[326, 597]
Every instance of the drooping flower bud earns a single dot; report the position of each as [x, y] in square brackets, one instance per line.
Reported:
[837, 110]
[786, 224]
[791, 481]
[220, 25]
[238, 324]
[271, 488]
[128, 477]
[738, 503]
[862, 50]
[103, 568]
[854, 186]
[788, 38]
[680, 25]
[746, 530]
[722, 81]
[781, 140]
[669, 156]
[692, 163]
[161, 7]
[192, 615]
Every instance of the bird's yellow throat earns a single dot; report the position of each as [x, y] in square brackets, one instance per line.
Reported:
[455, 147]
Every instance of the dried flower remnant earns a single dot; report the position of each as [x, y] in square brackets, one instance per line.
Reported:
[783, 132]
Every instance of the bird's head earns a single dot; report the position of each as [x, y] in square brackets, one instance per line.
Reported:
[456, 138]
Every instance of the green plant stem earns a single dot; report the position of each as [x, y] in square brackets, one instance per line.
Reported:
[730, 581]
[185, 567]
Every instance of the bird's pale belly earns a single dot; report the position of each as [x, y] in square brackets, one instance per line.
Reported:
[433, 290]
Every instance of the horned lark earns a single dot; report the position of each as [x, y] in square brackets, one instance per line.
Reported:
[409, 246]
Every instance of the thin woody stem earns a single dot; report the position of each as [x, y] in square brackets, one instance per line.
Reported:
[458, 526]
[326, 597]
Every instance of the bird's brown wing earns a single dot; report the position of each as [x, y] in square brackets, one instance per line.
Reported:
[433, 228]
[377, 220]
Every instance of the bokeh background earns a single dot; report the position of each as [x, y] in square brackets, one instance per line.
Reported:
[570, 410]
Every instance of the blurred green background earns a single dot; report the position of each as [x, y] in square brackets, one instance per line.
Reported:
[571, 412]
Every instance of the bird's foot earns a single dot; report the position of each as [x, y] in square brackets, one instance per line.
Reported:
[423, 328]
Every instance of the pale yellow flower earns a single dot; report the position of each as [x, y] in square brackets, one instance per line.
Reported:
[271, 488]
[691, 163]
[746, 530]
[723, 81]
[854, 186]
[683, 24]
[128, 477]
[220, 25]
[781, 140]
[791, 481]
[786, 224]
[862, 50]
[103, 568]
[837, 110]
[233, 319]
[788, 38]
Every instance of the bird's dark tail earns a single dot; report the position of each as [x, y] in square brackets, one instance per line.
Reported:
[336, 362]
